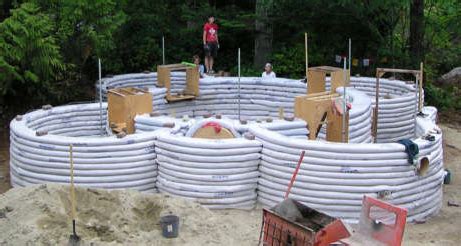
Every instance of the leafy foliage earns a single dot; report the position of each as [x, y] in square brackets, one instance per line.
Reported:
[30, 60]
[49, 48]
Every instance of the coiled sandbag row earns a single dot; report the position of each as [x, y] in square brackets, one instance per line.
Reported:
[257, 96]
[397, 107]
[219, 95]
[100, 162]
[137, 80]
[261, 98]
[334, 176]
[295, 128]
[359, 116]
[86, 121]
[216, 173]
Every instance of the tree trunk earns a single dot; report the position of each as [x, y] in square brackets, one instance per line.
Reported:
[416, 31]
[264, 32]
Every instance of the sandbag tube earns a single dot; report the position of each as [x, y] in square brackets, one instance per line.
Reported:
[99, 161]
[253, 166]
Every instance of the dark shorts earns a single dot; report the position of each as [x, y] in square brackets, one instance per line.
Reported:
[211, 49]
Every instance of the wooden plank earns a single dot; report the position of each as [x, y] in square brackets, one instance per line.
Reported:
[375, 111]
[316, 81]
[335, 127]
[311, 111]
[174, 66]
[176, 98]
[421, 74]
[396, 70]
[210, 133]
[374, 126]
[127, 91]
[317, 94]
[122, 110]
[327, 69]
[116, 93]
[192, 81]
[320, 96]
[164, 78]
[337, 79]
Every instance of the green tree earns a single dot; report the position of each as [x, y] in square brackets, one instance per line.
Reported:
[85, 30]
[30, 61]
[264, 32]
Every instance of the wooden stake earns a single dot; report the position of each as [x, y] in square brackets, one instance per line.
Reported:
[281, 113]
[72, 189]
[294, 174]
[375, 111]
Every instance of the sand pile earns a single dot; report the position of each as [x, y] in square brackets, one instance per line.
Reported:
[40, 215]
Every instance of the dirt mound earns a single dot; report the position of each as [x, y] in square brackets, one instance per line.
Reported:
[40, 215]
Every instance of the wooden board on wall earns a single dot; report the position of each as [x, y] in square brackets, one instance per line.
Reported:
[125, 103]
[337, 80]
[192, 81]
[316, 81]
[210, 133]
[313, 107]
[335, 128]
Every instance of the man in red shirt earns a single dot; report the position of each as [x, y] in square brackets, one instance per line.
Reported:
[210, 43]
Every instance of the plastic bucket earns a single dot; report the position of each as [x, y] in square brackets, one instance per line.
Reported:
[447, 178]
[170, 226]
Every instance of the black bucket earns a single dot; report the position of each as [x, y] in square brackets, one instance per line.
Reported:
[170, 226]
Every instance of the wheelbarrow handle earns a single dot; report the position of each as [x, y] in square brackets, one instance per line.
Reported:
[293, 177]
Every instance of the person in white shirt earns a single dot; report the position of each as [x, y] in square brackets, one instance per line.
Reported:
[201, 68]
[268, 73]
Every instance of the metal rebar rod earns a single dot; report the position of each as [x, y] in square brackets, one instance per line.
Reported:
[307, 57]
[415, 113]
[344, 102]
[350, 56]
[163, 50]
[421, 75]
[100, 97]
[239, 83]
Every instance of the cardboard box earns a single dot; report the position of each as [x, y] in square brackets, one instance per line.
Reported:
[125, 103]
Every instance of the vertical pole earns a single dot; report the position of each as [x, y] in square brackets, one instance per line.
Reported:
[415, 113]
[421, 87]
[375, 112]
[72, 189]
[100, 97]
[239, 84]
[295, 173]
[163, 49]
[344, 140]
[307, 59]
[350, 56]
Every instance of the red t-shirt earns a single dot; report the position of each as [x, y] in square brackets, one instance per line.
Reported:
[211, 30]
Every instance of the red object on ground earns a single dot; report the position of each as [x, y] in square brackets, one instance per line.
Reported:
[217, 127]
[318, 229]
[294, 174]
[388, 233]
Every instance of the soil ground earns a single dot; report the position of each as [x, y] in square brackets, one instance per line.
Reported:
[244, 226]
